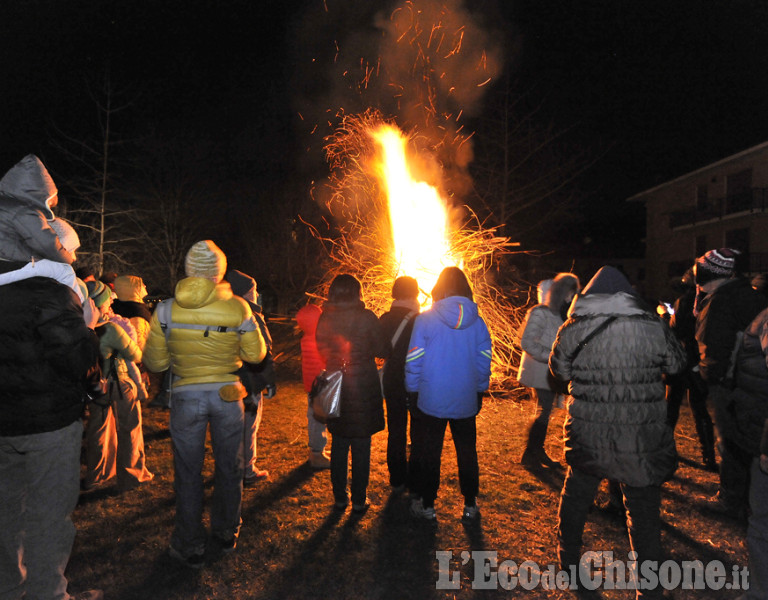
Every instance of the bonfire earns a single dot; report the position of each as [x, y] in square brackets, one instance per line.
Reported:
[393, 219]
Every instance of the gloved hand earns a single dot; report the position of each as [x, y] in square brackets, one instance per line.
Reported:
[270, 391]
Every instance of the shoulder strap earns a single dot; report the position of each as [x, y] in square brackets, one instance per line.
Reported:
[400, 329]
[165, 318]
[591, 335]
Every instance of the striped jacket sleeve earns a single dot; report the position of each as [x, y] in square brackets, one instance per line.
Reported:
[484, 355]
[414, 359]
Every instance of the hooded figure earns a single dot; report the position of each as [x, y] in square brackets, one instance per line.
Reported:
[27, 198]
[131, 291]
[537, 335]
[613, 352]
[204, 334]
[311, 365]
[449, 365]
[256, 377]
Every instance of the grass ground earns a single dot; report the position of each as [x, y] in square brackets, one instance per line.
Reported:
[292, 545]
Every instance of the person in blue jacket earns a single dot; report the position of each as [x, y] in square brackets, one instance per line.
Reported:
[448, 367]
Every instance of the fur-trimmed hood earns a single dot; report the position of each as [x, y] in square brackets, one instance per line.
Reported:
[564, 287]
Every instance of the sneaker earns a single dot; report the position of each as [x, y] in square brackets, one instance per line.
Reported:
[470, 514]
[319, 460]
[258, 475]
[193, 561]
[419, 511]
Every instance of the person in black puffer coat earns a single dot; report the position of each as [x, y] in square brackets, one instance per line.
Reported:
[349, 336]
[46, 354]
[749, 407]
[725, 305]
[616, 427]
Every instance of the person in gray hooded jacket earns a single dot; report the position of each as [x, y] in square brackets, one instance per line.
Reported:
[537, 335]
[614, 352]
[27, 199]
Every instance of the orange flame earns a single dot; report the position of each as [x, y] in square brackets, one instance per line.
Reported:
[418, 215]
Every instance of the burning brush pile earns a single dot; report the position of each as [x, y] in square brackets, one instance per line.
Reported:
[392, 219]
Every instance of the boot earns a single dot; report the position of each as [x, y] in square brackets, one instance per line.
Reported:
[319, 460]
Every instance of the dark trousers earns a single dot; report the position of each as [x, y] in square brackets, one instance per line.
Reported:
[679, 385]
[402, 469]
[361, 467]
[538, 431]
[430, 431]
[643, 520]
[735, 463]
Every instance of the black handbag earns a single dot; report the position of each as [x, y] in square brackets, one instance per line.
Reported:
[325, 395]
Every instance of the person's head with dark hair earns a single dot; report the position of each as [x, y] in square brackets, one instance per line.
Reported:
[85, 273]
[345, 288]
[451, 282]
[405, 288]
[108, 278]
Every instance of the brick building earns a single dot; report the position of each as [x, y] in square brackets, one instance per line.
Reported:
[723, 204]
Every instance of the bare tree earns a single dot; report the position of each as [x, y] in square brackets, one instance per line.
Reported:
[524, 173]
[93, 194]
[172, 208]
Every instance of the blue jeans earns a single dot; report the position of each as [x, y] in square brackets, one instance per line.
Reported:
[252, 419]
[757, 533]
[39, 487]
[191, 412]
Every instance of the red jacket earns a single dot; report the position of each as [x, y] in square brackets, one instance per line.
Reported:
[311, 361]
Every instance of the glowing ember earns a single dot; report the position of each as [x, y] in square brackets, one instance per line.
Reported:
[417, 214]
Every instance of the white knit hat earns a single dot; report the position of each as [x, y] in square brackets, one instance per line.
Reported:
[205, 259]
[66, 233]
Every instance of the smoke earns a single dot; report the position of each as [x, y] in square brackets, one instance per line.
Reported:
[426, 64]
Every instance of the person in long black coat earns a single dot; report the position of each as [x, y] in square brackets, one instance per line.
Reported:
[349, 337]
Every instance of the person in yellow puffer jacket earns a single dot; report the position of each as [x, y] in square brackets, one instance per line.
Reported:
[203, 335]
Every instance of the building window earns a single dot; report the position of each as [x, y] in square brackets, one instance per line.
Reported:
[739, 191]
[701, 197]
[738, 239]
[701, 245]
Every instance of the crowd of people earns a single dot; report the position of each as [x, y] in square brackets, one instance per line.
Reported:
[77, 349]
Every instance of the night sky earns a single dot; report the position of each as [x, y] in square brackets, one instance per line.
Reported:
[660, 88]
